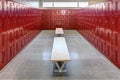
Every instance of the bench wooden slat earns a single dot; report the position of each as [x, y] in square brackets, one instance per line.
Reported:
[60, 51]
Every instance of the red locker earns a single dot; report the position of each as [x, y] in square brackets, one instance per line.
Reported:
[1, 16]
[119, 49]
[1, 26]
[115, 5]
[2, 59]
[113, 22]
[6, 15]
[17, 27]
[113, 15]
[13, 15]
[115, 38]
[108, 36]
[118, 58]
[115, 55]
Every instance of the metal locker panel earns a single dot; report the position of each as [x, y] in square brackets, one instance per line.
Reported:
[119, 58]
[108, 36]
[108, 50]
[102, 46]
[115, 38]
[3, 57]
[4, 39]
[19, 45]
[7, 35]
[13, 36]
[13, 15]
[1, 26]
[14, 49]
[111, 8]
[119, 49]
[9, 38]
[8, 55]
[1, 46]
[6, 15]
[106, 22]
[115, 7]
[19, 33]
[16, 35]
[118, 11]
[1, 64]
[118, 23]
[115, 55]
[119, 42]
[24, 13]
[104, 33]
[117, 4]
[113, 23]
[20, 15]
[17, 15]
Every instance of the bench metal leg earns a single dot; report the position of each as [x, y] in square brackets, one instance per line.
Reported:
[60, 67]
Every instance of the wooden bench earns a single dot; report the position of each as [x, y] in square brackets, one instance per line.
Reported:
[60, 54]
[59, 31]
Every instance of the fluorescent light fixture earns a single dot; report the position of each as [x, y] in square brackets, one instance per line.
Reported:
[65, 4]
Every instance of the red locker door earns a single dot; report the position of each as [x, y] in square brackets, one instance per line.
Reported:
[115, 7]
[119, 50]
[1, 33]
[118, 23]
[0, 16]
[7, 15]
[13, 15]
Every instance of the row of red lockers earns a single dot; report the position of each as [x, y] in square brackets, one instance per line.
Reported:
[105, 14]
[100, 24]
[19, 24]
[65, 18]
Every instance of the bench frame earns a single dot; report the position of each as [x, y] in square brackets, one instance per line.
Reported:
[60, 67]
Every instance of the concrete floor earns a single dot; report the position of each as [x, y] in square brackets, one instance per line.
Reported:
[33, 62]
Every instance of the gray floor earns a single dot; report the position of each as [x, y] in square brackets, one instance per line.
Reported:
[33, 62]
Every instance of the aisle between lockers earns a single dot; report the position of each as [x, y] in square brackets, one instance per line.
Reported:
[33, 61]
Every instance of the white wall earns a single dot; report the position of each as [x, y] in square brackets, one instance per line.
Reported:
[33, 3]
